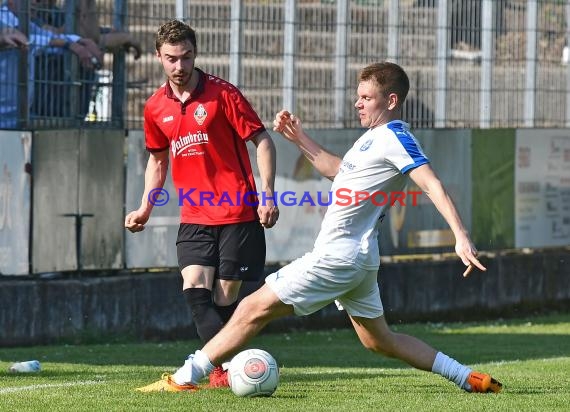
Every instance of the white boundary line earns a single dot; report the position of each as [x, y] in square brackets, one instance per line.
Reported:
[47, 385]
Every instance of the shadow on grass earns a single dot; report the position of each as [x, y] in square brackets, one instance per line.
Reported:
[338, 348]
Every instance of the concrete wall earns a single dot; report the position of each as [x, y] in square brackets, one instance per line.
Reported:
[77, 172]
[150, 305]
[514, 285]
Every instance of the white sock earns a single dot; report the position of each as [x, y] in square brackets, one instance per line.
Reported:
[451, 369]
[196, 367]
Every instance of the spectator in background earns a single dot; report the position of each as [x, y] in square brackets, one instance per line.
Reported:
[40, 42]
[11, 40]
[51, 69]
[52, 17]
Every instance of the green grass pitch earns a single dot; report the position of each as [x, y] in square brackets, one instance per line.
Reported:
[320, 370]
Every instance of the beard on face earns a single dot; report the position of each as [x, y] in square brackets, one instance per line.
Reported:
[365, 121]
[181, 78]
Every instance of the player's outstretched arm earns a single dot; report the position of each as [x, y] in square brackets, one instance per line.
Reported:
[154, 178]
[426, 179]
[325, 162]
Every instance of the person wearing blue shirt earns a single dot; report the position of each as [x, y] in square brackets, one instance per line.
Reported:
[39, 41]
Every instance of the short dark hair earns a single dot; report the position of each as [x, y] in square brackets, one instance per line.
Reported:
[390, 78]
[174, 32]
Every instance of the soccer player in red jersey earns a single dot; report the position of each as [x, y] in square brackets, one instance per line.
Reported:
[199, 123]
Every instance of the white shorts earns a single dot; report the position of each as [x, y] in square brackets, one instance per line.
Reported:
[312, 282]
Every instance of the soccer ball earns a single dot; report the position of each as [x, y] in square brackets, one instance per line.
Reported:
[253, 372]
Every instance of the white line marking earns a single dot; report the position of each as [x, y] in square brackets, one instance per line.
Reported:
[48, 385]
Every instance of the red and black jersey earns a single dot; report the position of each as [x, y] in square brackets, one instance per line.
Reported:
[206, 136]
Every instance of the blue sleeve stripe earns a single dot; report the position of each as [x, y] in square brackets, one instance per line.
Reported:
[414, 165]
[409, 143]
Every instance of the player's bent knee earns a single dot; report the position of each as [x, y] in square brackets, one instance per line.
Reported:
[251, 308]
[376, 347]
[223, 300]
[226, 292]
[379, 344]
[260, 307]
[385, 347]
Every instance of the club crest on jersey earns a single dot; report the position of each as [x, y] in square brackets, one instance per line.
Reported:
[200, 114]
[366, 145]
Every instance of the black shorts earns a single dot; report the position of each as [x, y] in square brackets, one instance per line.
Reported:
[237, 251]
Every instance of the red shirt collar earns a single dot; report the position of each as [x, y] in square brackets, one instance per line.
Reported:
[197, 90]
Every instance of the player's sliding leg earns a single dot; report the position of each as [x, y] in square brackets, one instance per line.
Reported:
[376, 336]
[250, 317]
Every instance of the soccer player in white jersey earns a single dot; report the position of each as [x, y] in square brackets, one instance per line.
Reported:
[344, 263]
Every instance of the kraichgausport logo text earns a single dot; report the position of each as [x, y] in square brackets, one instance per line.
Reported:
[340, 197]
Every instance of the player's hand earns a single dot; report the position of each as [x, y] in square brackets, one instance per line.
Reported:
[135, 221]
[268, 214]
[468, 255]
[288, 125]
[281, 120]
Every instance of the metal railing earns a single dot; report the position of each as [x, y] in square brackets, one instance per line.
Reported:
[472, 63]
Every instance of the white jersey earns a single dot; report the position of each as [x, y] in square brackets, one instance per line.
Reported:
[375, 165]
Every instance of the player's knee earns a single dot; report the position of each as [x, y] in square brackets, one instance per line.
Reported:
[226, 292]
[249, 307]
[252, 309]
[375, 346]
[224, 299]
[379, 344]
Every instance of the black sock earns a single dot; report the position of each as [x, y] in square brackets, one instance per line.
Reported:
[207, 320]
[226, 312]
